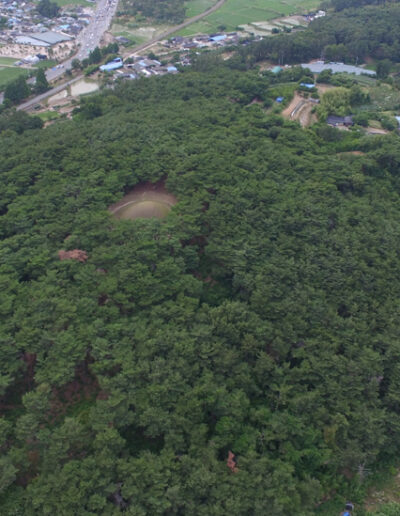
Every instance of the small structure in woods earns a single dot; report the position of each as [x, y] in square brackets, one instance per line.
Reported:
[75, 254]
[336, 121]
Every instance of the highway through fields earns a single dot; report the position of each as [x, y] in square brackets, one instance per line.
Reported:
[90, 38]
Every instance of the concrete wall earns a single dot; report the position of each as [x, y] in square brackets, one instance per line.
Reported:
[60, 51]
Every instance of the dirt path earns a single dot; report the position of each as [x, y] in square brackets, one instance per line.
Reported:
[304, 114]
[374, 130]
[351, 153]
[287, 112]
[299, 109]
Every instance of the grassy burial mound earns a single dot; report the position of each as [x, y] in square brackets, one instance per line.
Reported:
[144, 201]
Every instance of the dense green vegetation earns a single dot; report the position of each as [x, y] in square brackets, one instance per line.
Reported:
[9, 74]
[234, 13]
[48, 9]
[17, 90]
[161, 10]
[260, 317]
[18, 121]
[350, 36]
[41, 84]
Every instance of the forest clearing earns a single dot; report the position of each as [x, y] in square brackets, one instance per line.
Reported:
[144, 201]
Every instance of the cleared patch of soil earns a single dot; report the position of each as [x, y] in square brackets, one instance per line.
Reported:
[383, 495]
[299, 109]
[352, 153]
[290, 108]
[322, 88]
[146, 200]
[374, 130]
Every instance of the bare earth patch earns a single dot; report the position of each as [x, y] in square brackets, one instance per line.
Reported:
[375, 130]
[299, 109]
[146, 200]
[290, 108]
[388, 493]
[322, 88]
[352, 153]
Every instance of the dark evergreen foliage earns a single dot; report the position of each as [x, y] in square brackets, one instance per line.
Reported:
[48, 9]
[17, 90]
[348, 36]
[41, 84]
[260, 317]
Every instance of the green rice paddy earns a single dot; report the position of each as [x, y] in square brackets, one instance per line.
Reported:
[238, 12]
[195, 7]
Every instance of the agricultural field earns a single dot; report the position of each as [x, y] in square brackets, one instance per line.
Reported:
[47, 63]
[7, 61]
[136, 32]
[195, 7]
[236, 12]
[8, 74]
[384, 98]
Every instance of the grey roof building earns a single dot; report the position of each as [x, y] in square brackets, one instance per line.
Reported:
[319, 66]
[50, 37]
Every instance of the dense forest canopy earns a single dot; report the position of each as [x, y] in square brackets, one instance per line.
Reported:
[48, 9]
[350, 35]
[339, 5]
[259, 318]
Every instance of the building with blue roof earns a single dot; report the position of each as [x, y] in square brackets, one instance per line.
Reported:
[219, 37]
[112, 65]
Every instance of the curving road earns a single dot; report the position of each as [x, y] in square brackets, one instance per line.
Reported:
[89, 40]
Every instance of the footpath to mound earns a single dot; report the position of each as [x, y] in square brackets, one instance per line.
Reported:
[146, 200]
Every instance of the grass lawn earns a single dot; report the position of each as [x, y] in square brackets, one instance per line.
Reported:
[46, 63]
[8, 74]
[7, 61]
[135, 40]
[238, 12]
[136, 32]
[48, 115]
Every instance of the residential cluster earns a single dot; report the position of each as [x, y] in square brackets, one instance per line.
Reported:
[179, 43]
[314, 15]
[25, 27]
[136, 66]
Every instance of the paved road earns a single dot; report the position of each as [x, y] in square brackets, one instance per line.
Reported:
[90, 39]
[32, 102]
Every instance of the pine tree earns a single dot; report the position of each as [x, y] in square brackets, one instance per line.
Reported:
[17, 90]
[41, 82]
